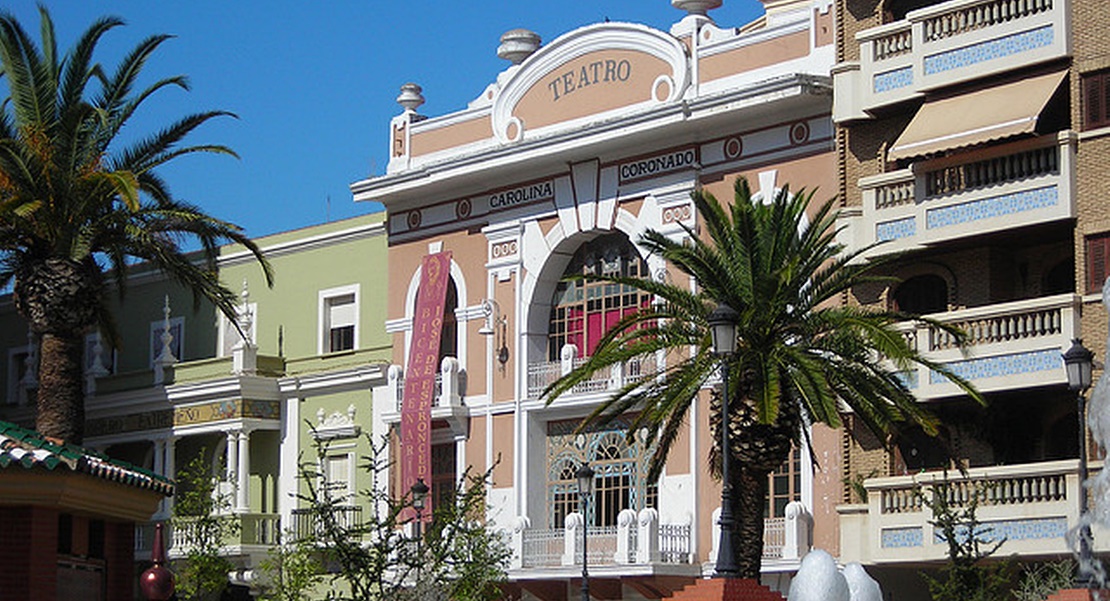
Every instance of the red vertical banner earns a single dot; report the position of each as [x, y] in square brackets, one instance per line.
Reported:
[420, 375]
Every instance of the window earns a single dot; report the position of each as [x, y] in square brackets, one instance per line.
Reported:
[921, 295]
[449, 332]
[177, 330]
[1098, 251]
[620, 472]
[107, 353]
[18, 371]
[65, 534]
[337, 472]
[228, 335]
[443, 474]
[581, 312]
[339, 319]
[785, 485]
[1096, 99]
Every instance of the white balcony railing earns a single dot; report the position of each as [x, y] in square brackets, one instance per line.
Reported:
[542, 374]
[253, 529]
[940, 201]
[949, 43]
[1011, 345]
[1032, 506]
[636, 539]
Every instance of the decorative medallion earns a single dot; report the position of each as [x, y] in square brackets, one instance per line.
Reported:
[734, 147]
[463, 208]
[799, 133]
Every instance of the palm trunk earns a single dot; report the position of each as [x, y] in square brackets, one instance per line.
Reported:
[750, 494]
[61, 400]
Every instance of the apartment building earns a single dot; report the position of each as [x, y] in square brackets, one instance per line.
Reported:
[971, 144]
[556, 168]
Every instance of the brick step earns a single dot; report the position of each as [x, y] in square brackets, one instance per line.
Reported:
[1078, 594]
[730, 589]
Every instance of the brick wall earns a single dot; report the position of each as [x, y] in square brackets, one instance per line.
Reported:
[1091, 47]
[29, 555]
[119, 554]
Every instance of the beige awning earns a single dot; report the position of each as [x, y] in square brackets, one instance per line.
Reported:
[993, 113]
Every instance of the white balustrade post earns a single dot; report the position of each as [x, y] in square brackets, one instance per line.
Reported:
[394, 392]
[159, 467]
[567, 356]
[796, 543]
[715, 519]
[616, 376]
[571, 535]
[647, 550]
[449, 373]
[626, 523]
[520, 525]
[169, 467]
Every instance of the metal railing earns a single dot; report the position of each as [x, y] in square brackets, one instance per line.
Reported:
[308, 521]
[774, 537]
[543, 547]
[674, 543]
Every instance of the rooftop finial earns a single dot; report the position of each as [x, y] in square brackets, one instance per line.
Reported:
[696, 7]
[517, 45]
[411, 97]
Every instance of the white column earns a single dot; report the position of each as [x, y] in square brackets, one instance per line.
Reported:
[243, 488]
[159, 468]
[169, 467]
[230, 478]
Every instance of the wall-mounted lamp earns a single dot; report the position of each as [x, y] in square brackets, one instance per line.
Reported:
[496, 324]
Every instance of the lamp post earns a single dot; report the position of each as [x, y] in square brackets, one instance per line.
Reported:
[419, 495]
[722, 323]
[585, 477]
[1078, 362]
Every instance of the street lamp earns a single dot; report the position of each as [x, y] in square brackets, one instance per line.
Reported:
[419, 495]
[585, 477]
[1078, 362]
[722, 323]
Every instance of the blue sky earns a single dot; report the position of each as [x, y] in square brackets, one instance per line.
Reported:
[314, 83]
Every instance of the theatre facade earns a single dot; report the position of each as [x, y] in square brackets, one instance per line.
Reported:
[556, 169]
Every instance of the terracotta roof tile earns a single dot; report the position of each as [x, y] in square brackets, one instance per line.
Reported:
[29, 449]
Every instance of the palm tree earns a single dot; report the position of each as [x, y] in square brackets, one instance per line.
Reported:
[800, 353]
[76, 202]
